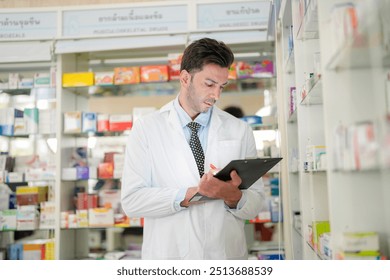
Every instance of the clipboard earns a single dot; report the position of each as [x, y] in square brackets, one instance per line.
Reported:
[250, 170]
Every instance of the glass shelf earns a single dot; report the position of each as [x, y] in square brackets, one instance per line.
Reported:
[315, 171]
[95, 179]
[354, 56]
[246, 85]
[293, 117]
[308, 28]
[38, 92]
[289, 63]
[314, 251]
[20, 230]
[98, 134]
[314, 94]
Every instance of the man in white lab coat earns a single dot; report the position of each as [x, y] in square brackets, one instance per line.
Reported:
[161, 175]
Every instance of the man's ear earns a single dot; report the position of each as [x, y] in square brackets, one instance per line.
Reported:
[185, 78]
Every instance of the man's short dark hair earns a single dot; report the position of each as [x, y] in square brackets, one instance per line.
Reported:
[206, 51]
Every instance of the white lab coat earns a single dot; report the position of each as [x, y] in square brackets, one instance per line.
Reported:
[159, 161]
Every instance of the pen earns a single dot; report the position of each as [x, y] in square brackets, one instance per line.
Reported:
[213, 169]
[212, 166]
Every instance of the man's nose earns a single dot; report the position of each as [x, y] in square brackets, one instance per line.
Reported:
[217, 92]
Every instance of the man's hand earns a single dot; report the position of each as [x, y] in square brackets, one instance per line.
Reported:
[227, 191]
[189, 194]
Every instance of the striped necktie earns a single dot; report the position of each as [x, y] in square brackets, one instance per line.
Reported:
[196, 147]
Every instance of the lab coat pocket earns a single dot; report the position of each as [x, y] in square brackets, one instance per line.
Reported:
[228, 150]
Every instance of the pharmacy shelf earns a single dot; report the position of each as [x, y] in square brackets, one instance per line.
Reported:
[352, 91]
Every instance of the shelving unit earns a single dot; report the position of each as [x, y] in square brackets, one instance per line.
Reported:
[81, 52]
[339, 76]
[29, 144]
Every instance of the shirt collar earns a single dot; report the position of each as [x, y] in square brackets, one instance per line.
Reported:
[203, 118]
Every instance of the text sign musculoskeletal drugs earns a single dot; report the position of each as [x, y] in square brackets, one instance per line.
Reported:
[120, 21]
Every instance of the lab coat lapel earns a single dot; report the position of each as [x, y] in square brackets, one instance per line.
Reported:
[212, 141]
[185, 162]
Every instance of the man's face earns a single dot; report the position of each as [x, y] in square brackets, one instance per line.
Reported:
[203, 89]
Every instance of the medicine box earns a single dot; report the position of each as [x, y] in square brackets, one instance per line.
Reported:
[42, 80]
[319, 228]
[80, 79]
[82, 218]
[7, 120]
[103, 122]
[26, 83]
[8, 220]
[126, 75]
[106, 170]
[30, 195]
[72, 122]
[13, 80]
[34, 251]
[47, 215]
[313, 156]
[27, 217]
[110, 199]
[15, 251]
[154, 73]
[121, 122]
[89, 122]
[101, 217]
[104, 78]
[360, 241]
[174, 67]
[31, 118]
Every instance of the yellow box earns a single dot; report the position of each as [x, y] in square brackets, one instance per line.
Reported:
[80, 79]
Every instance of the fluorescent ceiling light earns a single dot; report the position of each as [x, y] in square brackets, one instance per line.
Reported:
[244, 55]
[163, 59]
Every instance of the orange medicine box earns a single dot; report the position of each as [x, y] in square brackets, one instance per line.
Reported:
[79, 79]
[154, 73]
[106, 170]
[126, 75]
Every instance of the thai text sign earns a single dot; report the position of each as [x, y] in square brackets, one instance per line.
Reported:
[123, 21]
